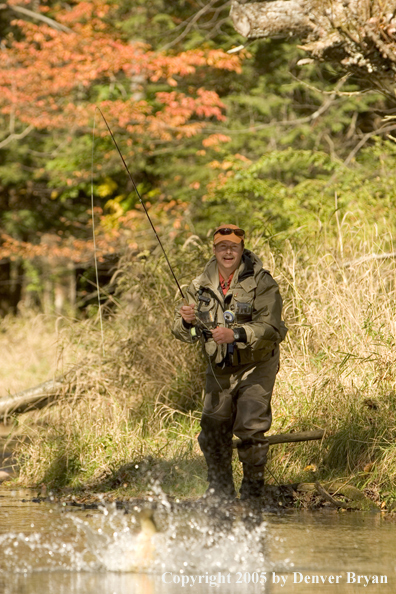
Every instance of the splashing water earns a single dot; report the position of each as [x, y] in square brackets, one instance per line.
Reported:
[189, 540]
[48, 549]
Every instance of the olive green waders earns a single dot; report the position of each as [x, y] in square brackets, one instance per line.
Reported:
[238, 401]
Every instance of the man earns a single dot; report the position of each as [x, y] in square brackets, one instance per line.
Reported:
[234, 307]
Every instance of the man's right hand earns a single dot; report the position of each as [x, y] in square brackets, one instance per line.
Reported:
[187, 313]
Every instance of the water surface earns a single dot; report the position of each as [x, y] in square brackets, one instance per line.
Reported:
[47, 548]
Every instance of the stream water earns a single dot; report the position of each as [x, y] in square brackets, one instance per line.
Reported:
[48, 548]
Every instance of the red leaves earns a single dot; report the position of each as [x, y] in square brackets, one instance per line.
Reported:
[179, 108]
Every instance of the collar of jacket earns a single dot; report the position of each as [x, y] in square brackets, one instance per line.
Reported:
[244, 275]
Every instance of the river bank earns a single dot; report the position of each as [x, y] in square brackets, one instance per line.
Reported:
[333, 495]
[129, 411]
[144, 481]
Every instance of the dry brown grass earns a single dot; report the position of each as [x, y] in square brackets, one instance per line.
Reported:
[31, 352]
[338, 368]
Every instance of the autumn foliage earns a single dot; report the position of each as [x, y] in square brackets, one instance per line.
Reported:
[51, 80]
[46, 78]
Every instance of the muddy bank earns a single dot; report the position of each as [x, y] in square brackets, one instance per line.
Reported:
[304, 496]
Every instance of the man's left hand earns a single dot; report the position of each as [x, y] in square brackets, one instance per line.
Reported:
[223, 335]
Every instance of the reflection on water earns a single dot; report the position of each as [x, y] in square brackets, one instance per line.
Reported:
[48, 549]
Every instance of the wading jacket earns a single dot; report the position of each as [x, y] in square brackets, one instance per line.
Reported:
[253, 297]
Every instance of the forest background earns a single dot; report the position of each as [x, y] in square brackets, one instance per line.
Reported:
[297, 152]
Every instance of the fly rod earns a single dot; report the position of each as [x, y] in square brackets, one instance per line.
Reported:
[142, 203]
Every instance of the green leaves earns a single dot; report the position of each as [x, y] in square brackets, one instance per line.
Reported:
[286, 189]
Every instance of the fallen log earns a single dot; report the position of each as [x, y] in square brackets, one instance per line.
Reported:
[289, 437]
[357, 499]
[329, 498]
[32, 398]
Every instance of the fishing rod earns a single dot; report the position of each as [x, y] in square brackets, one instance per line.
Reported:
[142, 203]
[194, 335]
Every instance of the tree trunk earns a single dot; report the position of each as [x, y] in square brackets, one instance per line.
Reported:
[358, 35]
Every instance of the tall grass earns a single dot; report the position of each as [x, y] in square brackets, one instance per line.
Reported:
[133, 415]
[339, 362]
[30, 351]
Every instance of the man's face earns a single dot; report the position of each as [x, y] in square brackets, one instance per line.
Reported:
[228, 255]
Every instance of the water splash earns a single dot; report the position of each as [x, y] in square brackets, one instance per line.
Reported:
[190, 539]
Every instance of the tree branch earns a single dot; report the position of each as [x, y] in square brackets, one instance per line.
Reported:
[190, 24]
[357, 35]
[281, 18]
[385, 256]
[37, 16]
[32, 398]
[13, 137]
[366, 137]
[329, 498]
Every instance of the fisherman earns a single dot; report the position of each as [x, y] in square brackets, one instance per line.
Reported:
[234, 308]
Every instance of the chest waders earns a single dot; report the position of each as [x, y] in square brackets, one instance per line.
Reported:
[219, 458]
[237, 402]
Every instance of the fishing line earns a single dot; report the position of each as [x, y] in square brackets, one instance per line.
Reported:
[93, 231]
[141, 201]
[214, 375]
[277, 483]
[209, 358]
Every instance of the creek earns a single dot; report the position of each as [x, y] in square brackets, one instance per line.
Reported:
[53, 548]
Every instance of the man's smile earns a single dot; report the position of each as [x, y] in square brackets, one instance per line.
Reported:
[228, 255]
[228, 260]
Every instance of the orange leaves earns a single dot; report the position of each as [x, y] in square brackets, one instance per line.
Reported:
[52, 79]
[210, 104]
[126, 113]
[215, 139]
[83, 12]
[174, 117]
[53, 247]
[46, 78]
[224, 61]
[113, 232]
[186, 63]
[242, 158]
[195, 185]
[179, 108]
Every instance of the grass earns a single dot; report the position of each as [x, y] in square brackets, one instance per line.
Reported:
[30, 351]
[130, 417]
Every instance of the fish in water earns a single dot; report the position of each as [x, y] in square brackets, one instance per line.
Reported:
[145, 547]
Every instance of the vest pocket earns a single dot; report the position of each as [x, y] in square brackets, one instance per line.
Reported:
[207, 315]
[243, 312]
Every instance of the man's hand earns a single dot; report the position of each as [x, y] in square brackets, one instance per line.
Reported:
[187, 313]
[223, 335]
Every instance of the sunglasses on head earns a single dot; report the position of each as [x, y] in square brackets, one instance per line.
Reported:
[228, 231]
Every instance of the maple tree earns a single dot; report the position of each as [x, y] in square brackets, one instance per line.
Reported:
[51, 80]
